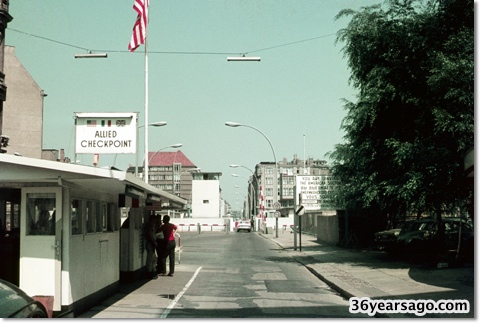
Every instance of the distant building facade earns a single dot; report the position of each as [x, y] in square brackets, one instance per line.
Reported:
[174, 173]
[266, 188]
[22, 117]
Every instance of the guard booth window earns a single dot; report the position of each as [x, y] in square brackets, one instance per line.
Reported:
[90, 220]
[12, 218]
[77, 217]
[113, 221]
[40, 213]
[99, 215]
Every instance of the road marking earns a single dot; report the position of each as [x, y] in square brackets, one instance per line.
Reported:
[174, 302]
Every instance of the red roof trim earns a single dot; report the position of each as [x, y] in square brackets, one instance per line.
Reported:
[168, 158]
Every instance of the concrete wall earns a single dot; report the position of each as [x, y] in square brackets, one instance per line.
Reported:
[327, 229]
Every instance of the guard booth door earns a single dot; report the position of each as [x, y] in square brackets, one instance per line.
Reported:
[40, 246]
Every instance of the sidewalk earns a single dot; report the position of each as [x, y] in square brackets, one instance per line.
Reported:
[376, 275]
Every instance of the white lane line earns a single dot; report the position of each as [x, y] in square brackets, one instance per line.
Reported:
[174, 302]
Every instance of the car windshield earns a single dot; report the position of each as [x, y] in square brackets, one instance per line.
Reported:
[420, 225]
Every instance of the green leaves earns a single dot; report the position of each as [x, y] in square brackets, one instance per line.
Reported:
[413, 64]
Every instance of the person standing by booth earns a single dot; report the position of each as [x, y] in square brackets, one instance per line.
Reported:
[151, 245]
[166, 246]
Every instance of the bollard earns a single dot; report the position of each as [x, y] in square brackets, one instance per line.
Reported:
[198, 228]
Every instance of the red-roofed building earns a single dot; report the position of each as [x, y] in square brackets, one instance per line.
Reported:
[171, 172]
[169, 158]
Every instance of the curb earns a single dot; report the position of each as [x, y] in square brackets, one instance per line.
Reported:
[342, 292]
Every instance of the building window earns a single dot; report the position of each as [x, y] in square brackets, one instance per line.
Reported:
[206, 201]
[177, 167]
[268, 191]
[269, 204]
[288, 180]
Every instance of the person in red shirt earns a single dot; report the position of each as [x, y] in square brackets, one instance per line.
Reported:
[166, 247]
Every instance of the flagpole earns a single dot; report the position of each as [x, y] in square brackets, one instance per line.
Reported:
[146, 101]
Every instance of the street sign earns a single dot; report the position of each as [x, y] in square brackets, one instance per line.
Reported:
[300, 210]
[276, 206]
[277, 214]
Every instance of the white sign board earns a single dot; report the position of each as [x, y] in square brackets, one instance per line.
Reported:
[106, 133]
[316, 192]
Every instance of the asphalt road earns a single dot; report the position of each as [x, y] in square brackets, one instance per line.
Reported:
[244, 275]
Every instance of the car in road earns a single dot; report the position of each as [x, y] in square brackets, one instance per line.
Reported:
[387, 240]
[244, 225]
[422, 236]
[15, 303]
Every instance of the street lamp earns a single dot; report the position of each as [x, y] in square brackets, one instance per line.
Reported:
[235, 166]
[147, 161]
[245, 216]
[250, 200]
[244, 58]
[254, 200]
[90, 54]
[234, 125]
[154, 124]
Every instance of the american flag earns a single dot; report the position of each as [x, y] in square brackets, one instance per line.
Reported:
[140, 26]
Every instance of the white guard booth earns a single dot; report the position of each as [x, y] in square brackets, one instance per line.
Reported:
[69, 219]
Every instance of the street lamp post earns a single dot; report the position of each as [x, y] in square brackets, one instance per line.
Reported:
[250, 189]
[147, 161]
[154, 124]
[254, 200]
[235, 124]
[246, 202]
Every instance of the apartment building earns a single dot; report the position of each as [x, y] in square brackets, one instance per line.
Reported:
[277, 193]
[174, 173]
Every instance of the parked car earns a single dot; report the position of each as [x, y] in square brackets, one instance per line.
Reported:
[422, 236]
[15, 303]
[244, 225]
[387, 240]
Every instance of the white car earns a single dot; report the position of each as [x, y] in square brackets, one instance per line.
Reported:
[244, 225]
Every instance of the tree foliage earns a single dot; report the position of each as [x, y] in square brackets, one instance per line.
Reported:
[412, 62]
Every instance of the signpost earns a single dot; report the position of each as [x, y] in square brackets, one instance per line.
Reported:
[299, 212]
[276, 206]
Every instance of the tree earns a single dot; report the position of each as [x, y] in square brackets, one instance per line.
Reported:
[412, 62]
